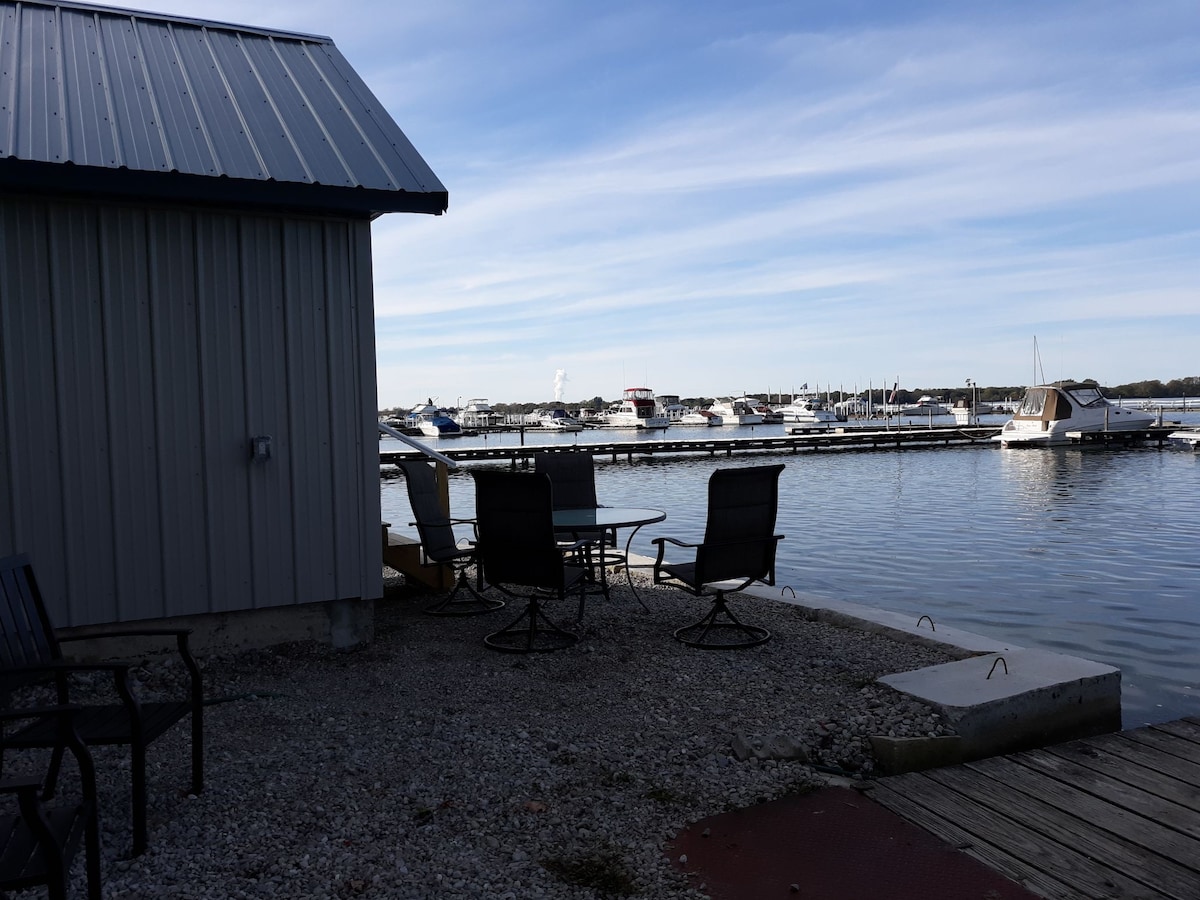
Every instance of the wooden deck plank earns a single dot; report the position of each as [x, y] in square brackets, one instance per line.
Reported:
[1146, 777]
[1169, 812]
[1138, 831]
[918, 801]
[1188, 751]
[1182, 728]
[1089, 857]
[1152, 759]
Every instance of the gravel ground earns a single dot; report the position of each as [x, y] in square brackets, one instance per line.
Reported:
[425, 765]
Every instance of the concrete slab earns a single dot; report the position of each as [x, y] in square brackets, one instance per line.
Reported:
[1023, 698]
[1042, 698]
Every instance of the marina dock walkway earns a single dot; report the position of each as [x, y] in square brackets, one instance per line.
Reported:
[799, 440]
[1105, 817]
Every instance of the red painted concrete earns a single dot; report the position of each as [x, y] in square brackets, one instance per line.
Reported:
[832, 844]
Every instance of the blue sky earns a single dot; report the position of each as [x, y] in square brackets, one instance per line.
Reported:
[715, 197]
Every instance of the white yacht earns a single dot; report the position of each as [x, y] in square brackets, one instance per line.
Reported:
[1049, 413]
[807, 411]
[558, 419]
[701, 417]
[636, 409]
[668, 405]
[478, 413]
[1187, 437]
[925, 406]
[738, 411]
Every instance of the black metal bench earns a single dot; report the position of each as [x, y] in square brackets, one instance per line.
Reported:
[30, 653]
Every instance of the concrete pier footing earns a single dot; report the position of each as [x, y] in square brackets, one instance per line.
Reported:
[999, 697]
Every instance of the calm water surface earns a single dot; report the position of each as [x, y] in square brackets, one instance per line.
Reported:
[1086, 552]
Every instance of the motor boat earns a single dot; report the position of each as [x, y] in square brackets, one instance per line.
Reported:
[636, 409]
[854, 407]
[770, 416]
[738, 411]
[479, 414]
[1187, 437]
[1050, 413]
[807, 411]
[670, 407]
[558, 419]
[432, 421]
[967, 413]
[701, 417]
[925, 406]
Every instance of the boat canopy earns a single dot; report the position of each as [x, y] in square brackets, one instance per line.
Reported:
[1046, 404]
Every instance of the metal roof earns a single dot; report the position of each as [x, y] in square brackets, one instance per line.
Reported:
[116, 101]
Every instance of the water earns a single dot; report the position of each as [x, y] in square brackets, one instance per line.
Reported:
[1087, 552]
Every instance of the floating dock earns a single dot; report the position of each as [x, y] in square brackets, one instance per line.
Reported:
[796, 441]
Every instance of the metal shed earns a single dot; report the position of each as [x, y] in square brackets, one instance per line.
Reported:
[187, 357]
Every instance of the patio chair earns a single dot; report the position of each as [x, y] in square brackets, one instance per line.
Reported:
[573, 476]
[38, 842]
[31, 652]
[439, 546]
[518, 548]
[739, 546]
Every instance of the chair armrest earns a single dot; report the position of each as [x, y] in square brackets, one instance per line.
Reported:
[125, 632]
[33, 712]
[14, 785]
[66, 666]
[181, 645]
[661, 543]
[661, 540]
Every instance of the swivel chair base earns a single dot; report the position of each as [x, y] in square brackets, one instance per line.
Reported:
[721, 630]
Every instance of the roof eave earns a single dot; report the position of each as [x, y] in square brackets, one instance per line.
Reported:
[26, 176]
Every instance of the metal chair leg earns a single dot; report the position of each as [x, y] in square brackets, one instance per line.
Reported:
[472, 605]
[721, 621]
[530, 632]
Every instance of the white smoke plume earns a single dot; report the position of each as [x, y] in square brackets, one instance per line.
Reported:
[560, 378]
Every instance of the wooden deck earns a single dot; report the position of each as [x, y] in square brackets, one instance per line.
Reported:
[1105, 817]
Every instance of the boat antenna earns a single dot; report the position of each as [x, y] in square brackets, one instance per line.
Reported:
[1037, 364]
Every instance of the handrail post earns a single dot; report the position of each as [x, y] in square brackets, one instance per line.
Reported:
[442, 475]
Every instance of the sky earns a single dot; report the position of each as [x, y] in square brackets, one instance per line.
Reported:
[709, 198]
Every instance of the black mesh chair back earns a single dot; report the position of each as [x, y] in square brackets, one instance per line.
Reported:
[573, 476]
[739, 545]
[433, 523]
[440, 545]
[739, 536]
[514, 513]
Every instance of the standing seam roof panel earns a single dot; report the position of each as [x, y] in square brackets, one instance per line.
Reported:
[346, 133]
[382, 127]
[90, 131]
[287, 67]
[140, 143]
[254, 103]
[181, 125]
[233, 150]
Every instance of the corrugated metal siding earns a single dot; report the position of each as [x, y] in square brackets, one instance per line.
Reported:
[109, 88]
[140, 350]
